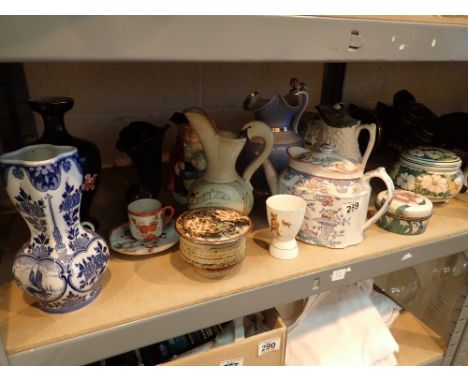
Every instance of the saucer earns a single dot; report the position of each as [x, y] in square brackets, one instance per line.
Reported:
[122, 241]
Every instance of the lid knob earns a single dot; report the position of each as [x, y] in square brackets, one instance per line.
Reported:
[326, 148]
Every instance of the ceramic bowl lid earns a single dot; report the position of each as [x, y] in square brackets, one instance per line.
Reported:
[431, 157]
[406, 204]
[324, 162]
[213, 225]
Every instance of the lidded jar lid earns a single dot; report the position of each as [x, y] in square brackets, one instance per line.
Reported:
[213, 225]
[432, 158]
[336, 116]
[325, 162]
[406, 204]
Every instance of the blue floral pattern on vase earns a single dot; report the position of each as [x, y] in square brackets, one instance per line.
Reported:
[92, 266]
[42, 177]
[62, 264]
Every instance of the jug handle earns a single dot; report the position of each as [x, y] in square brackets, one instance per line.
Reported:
[263, 131]
[382, 174]
[372, 129]
[271, 176]
[304, 98]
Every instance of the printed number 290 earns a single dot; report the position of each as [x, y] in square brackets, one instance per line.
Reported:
[268, 346]
[352, 207]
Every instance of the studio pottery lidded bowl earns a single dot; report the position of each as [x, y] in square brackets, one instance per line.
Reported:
[213, 239]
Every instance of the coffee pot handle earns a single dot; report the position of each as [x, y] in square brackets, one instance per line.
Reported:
[372, 129]
[263, 131]
[382, 174]
[303, 97]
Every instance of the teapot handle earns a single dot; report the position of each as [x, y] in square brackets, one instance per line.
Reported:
[382, 174]
[372, 129]
[304, 100]
[263, 131]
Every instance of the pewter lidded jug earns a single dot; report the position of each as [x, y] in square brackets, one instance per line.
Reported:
[282, 114]
[221, 185]
[342, 131]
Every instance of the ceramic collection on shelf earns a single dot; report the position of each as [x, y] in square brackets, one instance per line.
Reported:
[320, 194]
[430, 171]
[62, 264]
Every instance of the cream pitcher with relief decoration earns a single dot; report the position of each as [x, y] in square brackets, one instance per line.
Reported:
[221, 185]
[342, 131]
[336, 191]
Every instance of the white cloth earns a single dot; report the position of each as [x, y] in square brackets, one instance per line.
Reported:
[340, 327]
[387, 308]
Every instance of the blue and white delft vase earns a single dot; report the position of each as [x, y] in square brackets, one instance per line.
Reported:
[63, 263]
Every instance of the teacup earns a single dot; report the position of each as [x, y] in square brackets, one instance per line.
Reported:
[285, 217]
[147, 218]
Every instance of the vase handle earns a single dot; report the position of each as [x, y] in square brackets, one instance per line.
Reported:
[89, 225]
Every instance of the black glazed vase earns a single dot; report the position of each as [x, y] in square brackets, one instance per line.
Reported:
[52, 111]
[143, 141]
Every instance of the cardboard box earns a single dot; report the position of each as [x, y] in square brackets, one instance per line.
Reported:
[263, 349]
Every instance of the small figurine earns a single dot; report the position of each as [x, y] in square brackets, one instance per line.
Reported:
[188, 160]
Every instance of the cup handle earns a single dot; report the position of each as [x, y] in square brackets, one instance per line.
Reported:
[89, 225]
[382, 174]
[167, 218]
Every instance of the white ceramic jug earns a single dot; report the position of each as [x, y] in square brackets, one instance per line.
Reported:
[221, 185]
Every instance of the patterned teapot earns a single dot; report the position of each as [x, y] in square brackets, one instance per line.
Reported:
[337, 193]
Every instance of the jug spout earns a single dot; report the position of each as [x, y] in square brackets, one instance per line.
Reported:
[202, 124]
[221, 148]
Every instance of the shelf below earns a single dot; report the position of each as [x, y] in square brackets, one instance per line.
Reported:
[151, 298]
[419, 345]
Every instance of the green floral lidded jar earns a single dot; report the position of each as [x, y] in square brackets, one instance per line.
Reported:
[408, 214]
[429, 171]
